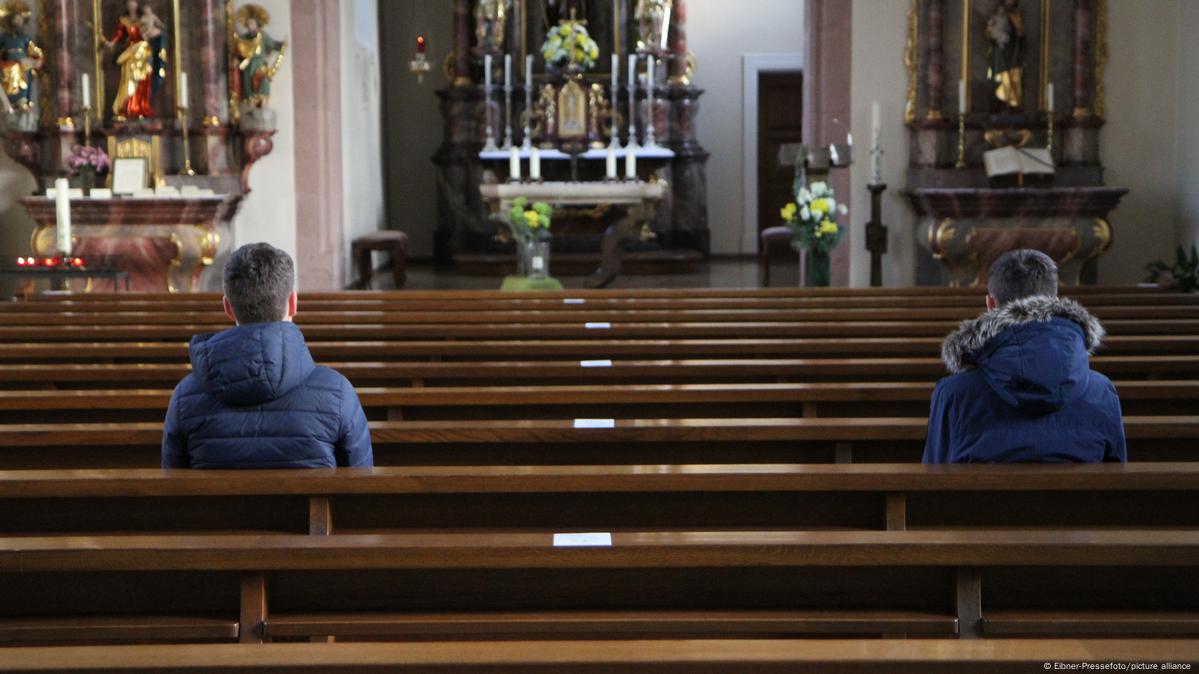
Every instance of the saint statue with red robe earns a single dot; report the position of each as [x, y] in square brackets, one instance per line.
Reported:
[142, 60]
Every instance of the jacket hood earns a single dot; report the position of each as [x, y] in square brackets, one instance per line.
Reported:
[1032, 352]
[251, 364]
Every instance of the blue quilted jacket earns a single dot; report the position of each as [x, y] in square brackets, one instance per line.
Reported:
[256, 399]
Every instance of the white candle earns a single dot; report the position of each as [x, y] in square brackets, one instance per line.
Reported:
[630, 163]
[534, 163]
[961, 97]
[610, 164]
[513, 164]
[875, 124]
[1049, 98]
[632, 70]
[615, 76]
[87, 92]
[62, 204]
[529, 72]
[487, 71]
[649, 72]
[183, 97]
[507, 71]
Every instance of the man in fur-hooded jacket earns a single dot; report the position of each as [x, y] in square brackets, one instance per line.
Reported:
[1022, 389]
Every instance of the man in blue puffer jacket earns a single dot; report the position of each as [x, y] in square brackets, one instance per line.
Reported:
[255, 398]
[1022, 388]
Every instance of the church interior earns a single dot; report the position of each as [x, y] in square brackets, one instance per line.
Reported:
[644, 303]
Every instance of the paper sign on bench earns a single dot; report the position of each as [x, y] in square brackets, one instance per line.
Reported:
[590, 540]
[595, 363]
[595, 423]
[597, 326]
[574, 300]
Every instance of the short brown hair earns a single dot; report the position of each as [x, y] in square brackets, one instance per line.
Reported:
[1022, 273]
[258, 280]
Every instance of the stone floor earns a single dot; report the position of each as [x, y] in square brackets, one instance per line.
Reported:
[717, 273]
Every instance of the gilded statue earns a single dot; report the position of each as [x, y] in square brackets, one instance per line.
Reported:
[21, 58]
[546, 115]
[653, 22]
[252, 50]
[600, 111]
[490, 21]
[142, 60]
[1005, 70]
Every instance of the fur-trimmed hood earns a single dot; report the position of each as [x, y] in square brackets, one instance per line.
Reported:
[1034, 353]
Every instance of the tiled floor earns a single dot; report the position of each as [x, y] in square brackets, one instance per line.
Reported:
[719, 273]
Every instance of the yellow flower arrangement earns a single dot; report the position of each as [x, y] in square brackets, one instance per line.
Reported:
[570, 43]
[812, 216]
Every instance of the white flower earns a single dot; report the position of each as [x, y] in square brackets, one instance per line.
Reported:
[842, 209]
[819, 188]
[804, 213]
[832, 205]
[804, 195]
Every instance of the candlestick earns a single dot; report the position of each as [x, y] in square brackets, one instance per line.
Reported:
[184, 123]
[527, 132]
[489, 140]
[650, 141]
[534, 164]
[632, 85]
[614, 137]
[630, 163]
[1049, 119]
[961, 163]
[62, 208]
[961, 97]
[876, 145]
[610, 164]
[507, 101]
[513, 165]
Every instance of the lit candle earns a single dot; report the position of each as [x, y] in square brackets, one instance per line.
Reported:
[487, 71]
[610, 164]
[876, 124]
[87, 92]
[507, 71]
[534, 163]
[961, 97]
[630, 163]
[62, 204]
[1049, 98]
[513, 164]
[183, 90]
[420, 44]
[529, 71]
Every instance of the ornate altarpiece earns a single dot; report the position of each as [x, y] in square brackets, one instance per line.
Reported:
[680, 221]
[165, 241]
[964, 222]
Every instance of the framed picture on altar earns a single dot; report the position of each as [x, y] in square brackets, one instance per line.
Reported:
[130, 175]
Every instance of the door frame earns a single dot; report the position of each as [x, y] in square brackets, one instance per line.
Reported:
[751, 66]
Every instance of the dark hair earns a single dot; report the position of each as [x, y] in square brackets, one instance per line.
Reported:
[1022, 273]
[258, 280]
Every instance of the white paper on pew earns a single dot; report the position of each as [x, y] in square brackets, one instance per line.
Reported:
[597, 326]
[589, 540]
[595, 363]
[574, 300]
[595, 423]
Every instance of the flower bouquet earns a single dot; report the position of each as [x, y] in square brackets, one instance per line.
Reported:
[87, 162]
[570, 44]
[530, 226]
[813, 219]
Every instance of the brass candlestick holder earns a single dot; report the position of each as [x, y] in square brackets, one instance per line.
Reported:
[961, 141]
[184, 123]
[86, 111]
[1049, 132]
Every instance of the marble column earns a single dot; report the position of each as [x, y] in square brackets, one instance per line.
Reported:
[214, 149]
[935, 58]
[678, 45]
[462, 38]
[1082, 61]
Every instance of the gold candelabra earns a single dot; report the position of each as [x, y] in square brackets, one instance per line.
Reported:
[187, 148]
[961, 141]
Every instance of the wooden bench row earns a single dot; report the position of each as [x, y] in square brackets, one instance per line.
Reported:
[565, 441]
[816, 656]
[659, 583]
[600, 498]
[823, 399]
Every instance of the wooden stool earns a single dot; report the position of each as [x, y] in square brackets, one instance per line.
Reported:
[389, 241]
[774, 241]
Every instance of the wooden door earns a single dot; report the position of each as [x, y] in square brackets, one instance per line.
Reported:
[780, 115]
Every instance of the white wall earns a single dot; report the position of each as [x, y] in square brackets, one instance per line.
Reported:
[361, 131]
[269, 212]
[1188, 125]
[879, 31]
[720, 33]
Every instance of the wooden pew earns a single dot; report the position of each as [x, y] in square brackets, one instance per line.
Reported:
[518, 442]
[641, 656]
[823, 399]
[600, 498]
[712, 584]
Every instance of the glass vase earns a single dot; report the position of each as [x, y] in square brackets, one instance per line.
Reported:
[817, 269]
[538, 256]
